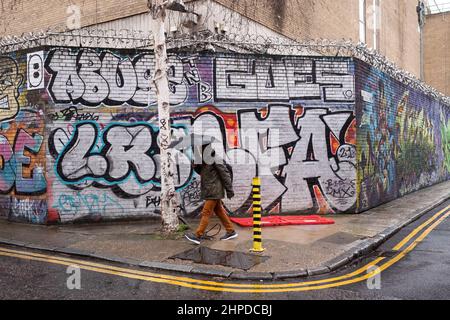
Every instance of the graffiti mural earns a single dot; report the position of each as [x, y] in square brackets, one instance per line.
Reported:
[446, 140]
[10, 81]
[23, 183]
[35, 71]
[96, 205]
[289, 120]
[91, 79]
[282, 80]
[79, 133]
[115, 156]
[29, 210]
[399, 139]
[14, 160]
[22, 173]
[123, 157]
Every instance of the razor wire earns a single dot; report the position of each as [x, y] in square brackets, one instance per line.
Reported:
[333, 48]
[212, 41]
[86, 37]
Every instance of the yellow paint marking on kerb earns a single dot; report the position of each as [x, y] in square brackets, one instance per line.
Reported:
[232, 287]
[252, 288]
[83, 263]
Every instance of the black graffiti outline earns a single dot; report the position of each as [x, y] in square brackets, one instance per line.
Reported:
[109, 182]
[120, 60]
[152, 200]
[251, 70]
[284, 148]
[311, 182]
[78, 54]
[20, 82]
[343, 132]
[105, 147]
[72, 143]
[41, 68]
[131, 166]
[259, 116]
[72, 113]
[341, 138]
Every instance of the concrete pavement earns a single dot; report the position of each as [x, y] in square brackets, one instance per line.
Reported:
[421, 273]
[293, 251]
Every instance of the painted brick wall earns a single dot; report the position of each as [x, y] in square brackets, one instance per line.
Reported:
[23, 186]
[103, 157]
[403, 138]
[78, 142]
[101, 141]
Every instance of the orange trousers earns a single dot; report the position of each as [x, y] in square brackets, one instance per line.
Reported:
[209, 208]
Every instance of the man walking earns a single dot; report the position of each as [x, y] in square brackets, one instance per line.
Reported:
[216, 179]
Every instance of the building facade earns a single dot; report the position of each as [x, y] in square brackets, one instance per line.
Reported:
[437, 51]
[391, 27]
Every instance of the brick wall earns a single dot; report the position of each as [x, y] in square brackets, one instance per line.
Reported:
[78, 141]
[403, 138]
[298, 19]
[398, 36]
[437, 51]
[303, 19]
[22, 16]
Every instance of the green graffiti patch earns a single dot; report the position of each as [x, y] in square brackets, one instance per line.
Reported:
[446, 143]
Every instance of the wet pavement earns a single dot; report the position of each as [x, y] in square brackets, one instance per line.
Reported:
[423, 273]
[288, 248]
[233, 259]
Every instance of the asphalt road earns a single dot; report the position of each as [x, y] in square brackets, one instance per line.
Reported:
[423, 273]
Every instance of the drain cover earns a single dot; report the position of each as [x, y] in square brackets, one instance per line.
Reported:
[238, 260]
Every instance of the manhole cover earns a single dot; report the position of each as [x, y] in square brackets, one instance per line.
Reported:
[232, 259]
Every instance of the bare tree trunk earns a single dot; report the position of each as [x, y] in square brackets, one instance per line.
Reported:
[170, 204]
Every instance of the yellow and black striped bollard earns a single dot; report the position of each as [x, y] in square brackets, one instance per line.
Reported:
[257, 216]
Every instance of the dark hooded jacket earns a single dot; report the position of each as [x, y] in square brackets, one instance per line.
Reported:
[215, 180]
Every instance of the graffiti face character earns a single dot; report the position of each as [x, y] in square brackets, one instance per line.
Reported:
[10, 81]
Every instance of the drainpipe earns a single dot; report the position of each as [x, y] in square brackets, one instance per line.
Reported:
[421, 16]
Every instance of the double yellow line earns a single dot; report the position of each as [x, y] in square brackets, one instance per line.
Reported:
[192, 283]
